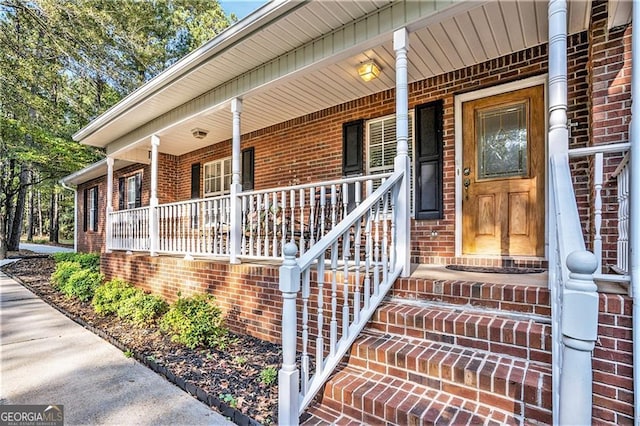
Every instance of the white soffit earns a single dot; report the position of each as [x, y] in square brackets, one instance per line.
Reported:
[439, 43]
[619, 12]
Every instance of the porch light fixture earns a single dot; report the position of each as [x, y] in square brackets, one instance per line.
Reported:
[199, 133]
[368, 70]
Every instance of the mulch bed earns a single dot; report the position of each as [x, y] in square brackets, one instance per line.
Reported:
[219, 378]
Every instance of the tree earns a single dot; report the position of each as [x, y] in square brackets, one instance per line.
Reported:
[64, 62]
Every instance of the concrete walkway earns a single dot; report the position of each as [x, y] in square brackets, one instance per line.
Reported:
[44, 249]
[45, 358]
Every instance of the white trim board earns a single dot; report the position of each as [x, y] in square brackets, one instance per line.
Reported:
[483, 93]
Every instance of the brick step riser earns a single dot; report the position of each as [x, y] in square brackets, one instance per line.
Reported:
[462, 375]
[514, 298]
[377, 403]
[525, 339]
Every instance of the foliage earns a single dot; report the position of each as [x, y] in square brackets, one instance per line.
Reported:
[229, 399]
[106, 299]
[195, 321]
[86, 260]
[64, 62]
[63, 272]
[141, 308]
[269, 375]
[82, 284]
[128, 302]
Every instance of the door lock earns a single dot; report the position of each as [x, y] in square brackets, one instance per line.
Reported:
[466, 171]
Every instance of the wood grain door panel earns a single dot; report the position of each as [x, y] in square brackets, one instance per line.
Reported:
[504, 214]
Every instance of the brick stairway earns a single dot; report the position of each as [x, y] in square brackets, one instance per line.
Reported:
[446, 352]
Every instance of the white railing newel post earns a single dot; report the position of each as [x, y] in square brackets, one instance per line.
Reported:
[153, 199]
[109, 209]
[579, 335]
[289, 376]
[401, 162]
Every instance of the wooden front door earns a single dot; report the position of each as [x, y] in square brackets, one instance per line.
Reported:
[503, 175]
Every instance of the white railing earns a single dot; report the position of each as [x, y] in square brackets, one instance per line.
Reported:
[342, 278]
[302, 214]
[198, 227]
[622, 174]
[129, 230]
[574, 300]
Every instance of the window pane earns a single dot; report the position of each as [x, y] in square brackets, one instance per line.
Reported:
[502, 141]
[131, 192]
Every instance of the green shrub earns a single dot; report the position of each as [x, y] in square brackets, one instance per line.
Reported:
[108, 297]
[63, 272]
[269, 375]
[195, 321]
[86, 260]
[141, 309]
[82, 284]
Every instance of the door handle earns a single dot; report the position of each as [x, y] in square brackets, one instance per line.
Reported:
[466, 183]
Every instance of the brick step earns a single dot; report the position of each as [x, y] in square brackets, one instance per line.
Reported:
[506, 297]
[522, 335]
[356, 396]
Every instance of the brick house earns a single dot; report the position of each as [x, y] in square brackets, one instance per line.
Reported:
[393, 143]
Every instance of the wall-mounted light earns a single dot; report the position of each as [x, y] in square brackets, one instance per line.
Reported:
[368, 70]
[199, 133]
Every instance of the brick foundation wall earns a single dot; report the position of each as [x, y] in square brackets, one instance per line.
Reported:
[613, 362]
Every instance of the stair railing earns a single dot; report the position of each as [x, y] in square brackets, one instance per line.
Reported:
[332, 290]
[574, 300]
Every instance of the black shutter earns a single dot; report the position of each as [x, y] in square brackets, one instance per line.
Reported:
[94, 225]
[195, 180]
[138, 189]
[428, 163]
[85, 212]
[247, 169]
[121, 193]
[352, 137]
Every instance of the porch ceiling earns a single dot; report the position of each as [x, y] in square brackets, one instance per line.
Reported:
[451, 39]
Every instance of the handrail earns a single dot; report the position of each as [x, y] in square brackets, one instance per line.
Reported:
[194, 200]
[574, 299]
[605, 149]
[308, 258]
[342, 279]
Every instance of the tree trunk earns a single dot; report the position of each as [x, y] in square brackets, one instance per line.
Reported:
[39, 214]
[31, 212]
[18, 212]
[3, 238]
[54, 225]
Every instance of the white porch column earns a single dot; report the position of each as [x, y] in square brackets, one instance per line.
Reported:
[401, 162]
[109, 208]
[153, 199]
[558, 130]
[236, 186]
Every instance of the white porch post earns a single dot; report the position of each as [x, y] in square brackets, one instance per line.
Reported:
[401, 162]
[558, 130]
[236, 186]
[153, 199]
[109, 209]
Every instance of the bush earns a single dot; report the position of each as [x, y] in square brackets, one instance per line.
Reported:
[195, 321]
[86, 260]
[108, 297]
[141, 309]
[82, 284]
[63, 272]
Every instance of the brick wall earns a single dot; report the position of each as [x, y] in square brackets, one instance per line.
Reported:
[613, 362]
[610, 99]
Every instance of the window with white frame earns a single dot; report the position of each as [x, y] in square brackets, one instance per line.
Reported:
[132, 189]
[217, 177]
[381, 146]
[93, 208]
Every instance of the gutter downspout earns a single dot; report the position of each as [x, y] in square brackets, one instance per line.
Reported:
[75, 214]
[634, 207]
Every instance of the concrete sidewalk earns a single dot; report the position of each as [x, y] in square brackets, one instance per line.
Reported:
[46, 358]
